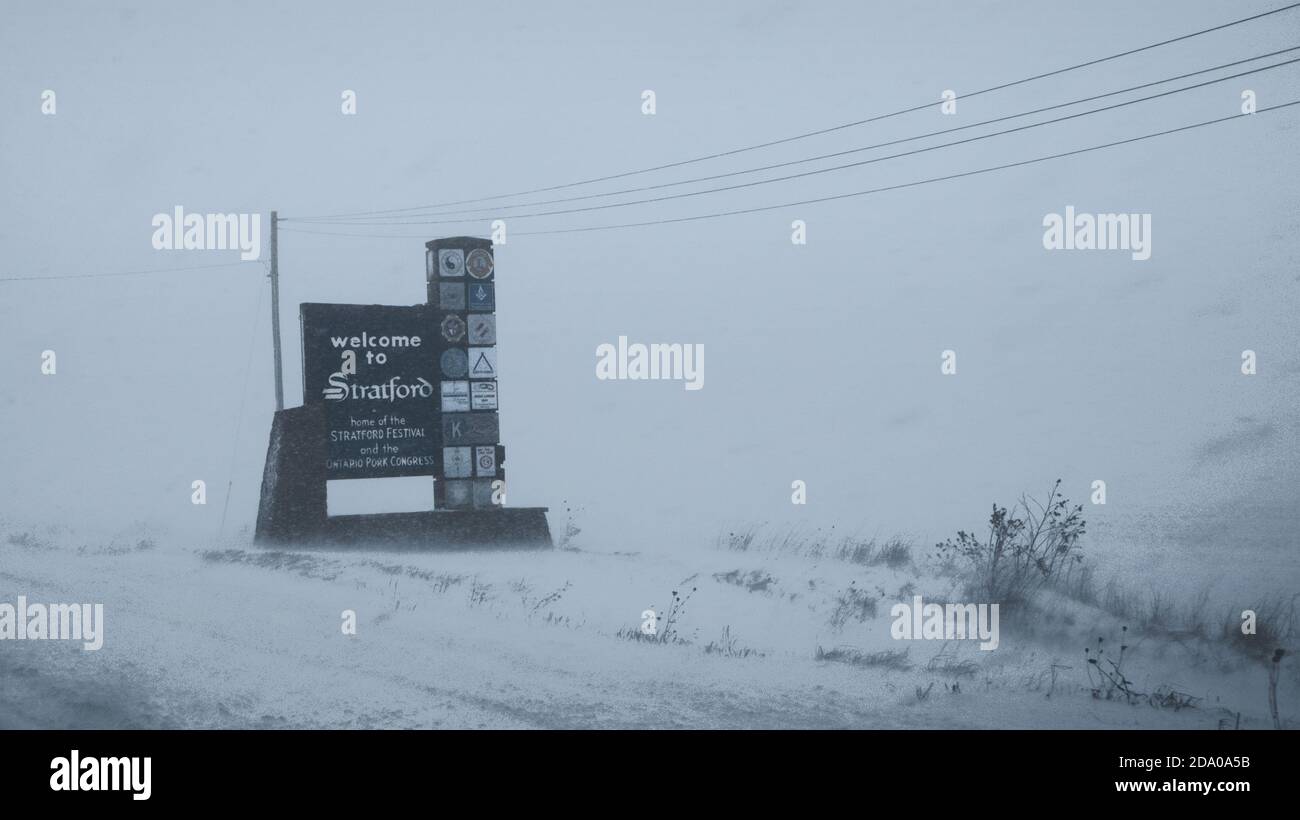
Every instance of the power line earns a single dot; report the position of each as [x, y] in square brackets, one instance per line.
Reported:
[925, 181]
[805, 135]
[802, 174]
[835, 197]
[379, 220]
[122, 273]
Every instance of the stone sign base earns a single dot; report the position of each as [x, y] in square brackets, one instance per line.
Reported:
[293, 506]
[443, 529]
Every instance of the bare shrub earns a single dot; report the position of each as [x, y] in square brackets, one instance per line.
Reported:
[1027, 546]
[853, 604]
[1109, 680]
[1167, 697]
[666, 627]
[1277, 624]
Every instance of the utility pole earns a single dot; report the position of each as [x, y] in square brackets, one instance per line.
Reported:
[275, 309]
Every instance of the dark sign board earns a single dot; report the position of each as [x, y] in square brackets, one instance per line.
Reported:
[375, 368]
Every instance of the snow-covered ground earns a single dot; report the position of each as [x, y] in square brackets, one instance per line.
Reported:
[234, 635]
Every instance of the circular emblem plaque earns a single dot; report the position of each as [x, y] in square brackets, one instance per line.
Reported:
[451, 262]
[455, 363]
[453, 328]
[479, 263]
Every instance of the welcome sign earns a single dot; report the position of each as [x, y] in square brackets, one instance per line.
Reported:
[375, 368]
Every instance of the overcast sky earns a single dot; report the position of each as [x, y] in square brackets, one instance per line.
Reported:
[822, 360]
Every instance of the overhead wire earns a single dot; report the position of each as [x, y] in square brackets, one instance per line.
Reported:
[817, 132]
[860, 163]
[142, 272]
[851, 194]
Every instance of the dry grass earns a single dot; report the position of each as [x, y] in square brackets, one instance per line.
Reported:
[1157, 612]
[729, 647]
[1277, 626]
[894, 659]
[946, 663]
[754, 580]
[894, 552]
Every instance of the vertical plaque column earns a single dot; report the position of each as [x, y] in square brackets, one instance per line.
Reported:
[461, 276]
